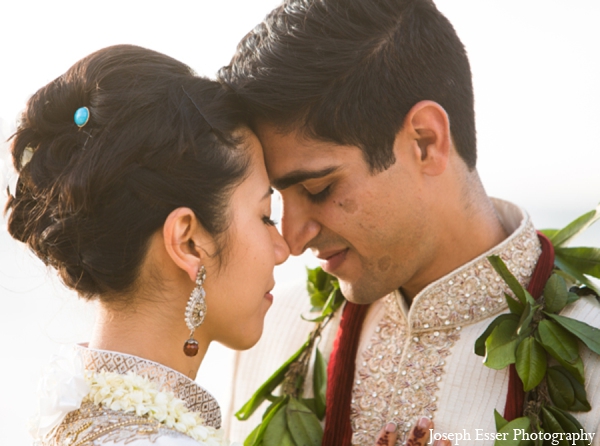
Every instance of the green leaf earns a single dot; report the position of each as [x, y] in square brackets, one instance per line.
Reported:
[324, 292]
[500, 420]
[555, 294]
[557, 341]
[319, 286]
[251, 439]
[576, 369]
[576, 227]
[310, 403]
[560, 389]
[334, 301]
[264, 391]
[510, 280]
[511, 429]
[277, 433]
[584, 259]
[317, 300]
[572, 271]
[514, 305]
[565, 391]
[589, 335]
[317, 277]
[529, 298]
[581, 402]
[572, 297]
[480, 342]
[256, 436]
[275, 400]
[320, 318]
[567, 422]
[526, 318]
[531, 363]
[562, 345]
[551, 424]
[500, 346]
[320, 384]
[303, 424]
[550, 233]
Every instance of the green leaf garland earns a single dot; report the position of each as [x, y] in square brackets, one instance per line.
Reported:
[533, 333]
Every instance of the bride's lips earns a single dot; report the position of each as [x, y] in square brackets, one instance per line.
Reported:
[330, 261]
[268, 294]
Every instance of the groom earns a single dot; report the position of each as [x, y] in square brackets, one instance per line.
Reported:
[365, 112]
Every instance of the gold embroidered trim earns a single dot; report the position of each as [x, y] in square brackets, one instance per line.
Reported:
[195, 397]
[403, 364]
[91, 425]
[475, 291]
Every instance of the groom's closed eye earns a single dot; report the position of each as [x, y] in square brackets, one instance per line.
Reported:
[319, 195]
[301, 175]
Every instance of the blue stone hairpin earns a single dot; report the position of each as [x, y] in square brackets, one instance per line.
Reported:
[81, 116]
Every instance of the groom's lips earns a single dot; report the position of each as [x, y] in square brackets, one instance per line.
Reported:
[331, 260]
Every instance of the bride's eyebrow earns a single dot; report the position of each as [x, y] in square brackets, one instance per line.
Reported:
[300, 175]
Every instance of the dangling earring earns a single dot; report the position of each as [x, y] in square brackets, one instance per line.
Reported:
[195, 312]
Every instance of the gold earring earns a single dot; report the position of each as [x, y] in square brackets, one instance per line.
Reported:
[195, 312]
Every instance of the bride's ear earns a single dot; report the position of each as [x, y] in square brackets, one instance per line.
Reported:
[186, 241]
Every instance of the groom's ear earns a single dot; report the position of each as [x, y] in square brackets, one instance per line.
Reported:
[428, 126]
[186, 241]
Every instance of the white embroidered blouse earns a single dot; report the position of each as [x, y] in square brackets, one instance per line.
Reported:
[91, 424]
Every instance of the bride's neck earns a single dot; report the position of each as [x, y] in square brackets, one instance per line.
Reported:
[153, 330]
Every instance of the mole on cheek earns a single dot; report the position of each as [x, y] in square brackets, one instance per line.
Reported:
[349, 206]
[384, 263]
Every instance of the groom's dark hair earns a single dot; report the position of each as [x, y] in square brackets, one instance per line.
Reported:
[348, 71]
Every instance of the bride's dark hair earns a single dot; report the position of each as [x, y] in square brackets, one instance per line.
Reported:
[158, 138]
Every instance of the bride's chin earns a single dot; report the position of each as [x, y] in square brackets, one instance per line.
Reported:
[244, 330]
[242, 344]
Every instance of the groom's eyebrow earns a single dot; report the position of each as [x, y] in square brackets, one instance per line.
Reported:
[300, 175]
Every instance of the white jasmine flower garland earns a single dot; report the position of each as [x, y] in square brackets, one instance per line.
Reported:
[136, 394]
[66, 385]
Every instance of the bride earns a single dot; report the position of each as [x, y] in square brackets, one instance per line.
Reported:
[141, 184]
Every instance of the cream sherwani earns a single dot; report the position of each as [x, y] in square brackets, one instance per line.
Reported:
[419, 361]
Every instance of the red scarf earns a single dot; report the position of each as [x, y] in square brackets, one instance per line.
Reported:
[340, 371]
[542, 272]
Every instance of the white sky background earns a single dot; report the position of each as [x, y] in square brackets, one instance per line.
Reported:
[536, 68]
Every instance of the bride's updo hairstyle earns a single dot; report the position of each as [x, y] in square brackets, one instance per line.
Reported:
[89, 198]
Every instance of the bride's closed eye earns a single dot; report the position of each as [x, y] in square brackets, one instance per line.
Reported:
[268, 221]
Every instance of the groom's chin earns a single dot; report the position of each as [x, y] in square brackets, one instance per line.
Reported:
[358, 292]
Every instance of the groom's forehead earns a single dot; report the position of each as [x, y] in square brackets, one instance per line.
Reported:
[287, 152]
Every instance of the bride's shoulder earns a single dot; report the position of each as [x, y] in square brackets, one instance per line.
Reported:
[82, 406]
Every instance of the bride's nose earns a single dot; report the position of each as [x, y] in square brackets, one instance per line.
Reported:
[282, 250]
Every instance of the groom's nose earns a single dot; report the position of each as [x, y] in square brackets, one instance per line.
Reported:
[298, 226]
